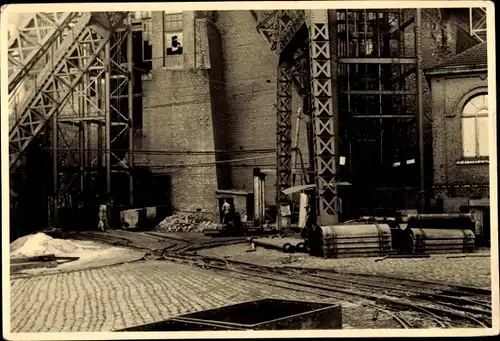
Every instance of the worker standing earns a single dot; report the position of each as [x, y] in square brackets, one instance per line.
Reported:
[226, 212]
[306, 230]
[103, 217]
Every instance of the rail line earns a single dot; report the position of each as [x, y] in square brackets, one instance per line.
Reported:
[441, 304]
[441, 311]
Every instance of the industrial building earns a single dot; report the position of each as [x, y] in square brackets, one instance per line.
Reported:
[172, 109]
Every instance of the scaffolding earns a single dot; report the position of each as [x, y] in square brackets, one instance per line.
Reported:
[362, 86]
[302, 41]
[71, 85]
[380, 105]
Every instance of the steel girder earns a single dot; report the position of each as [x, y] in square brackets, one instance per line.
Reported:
[278, 28]
[76, 117]
[58, 80]
[42, 99]
[323, 116]
[100, 111]
[284, 134]
[477, 23]
[33, 39]
[37, 72]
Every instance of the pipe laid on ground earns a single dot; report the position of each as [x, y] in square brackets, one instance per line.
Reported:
[441, 216]
[267, 245]
[288, 248]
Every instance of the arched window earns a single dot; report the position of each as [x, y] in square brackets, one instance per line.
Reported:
[475, 127]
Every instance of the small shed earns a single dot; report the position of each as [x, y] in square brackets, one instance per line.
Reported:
[241, 202]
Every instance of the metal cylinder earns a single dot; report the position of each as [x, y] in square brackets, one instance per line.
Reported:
[301, 247]
[262, 184]
[422, 240]
[267, 245]
[288, 248]
[257, 197]
[304, 203]
[442, 216]
[363, 240]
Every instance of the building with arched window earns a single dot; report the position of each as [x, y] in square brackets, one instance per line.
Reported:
[460, 131]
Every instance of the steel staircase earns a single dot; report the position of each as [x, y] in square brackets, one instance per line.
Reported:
[37, 34]
[60, 53]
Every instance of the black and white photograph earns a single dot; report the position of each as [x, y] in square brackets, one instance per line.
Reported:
[244, 169]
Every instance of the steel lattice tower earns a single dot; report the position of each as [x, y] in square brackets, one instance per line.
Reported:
[332, 83]
[67, 75]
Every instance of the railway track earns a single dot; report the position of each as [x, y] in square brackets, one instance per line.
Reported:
[446, 305]
[440, 305]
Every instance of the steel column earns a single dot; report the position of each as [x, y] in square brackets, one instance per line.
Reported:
[55, 171]
[420, 105]
[296, 145]
[130, 110]
[284, 138]
[324, 118]
[81, 137]
[107, 118]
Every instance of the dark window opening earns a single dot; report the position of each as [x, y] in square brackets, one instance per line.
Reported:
[174, 46]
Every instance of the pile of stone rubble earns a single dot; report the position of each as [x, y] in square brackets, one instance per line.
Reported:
[183, 222]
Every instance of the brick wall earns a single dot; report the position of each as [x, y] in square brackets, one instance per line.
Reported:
[251, 100]
[449, 94]
[439, 41]
[177, 116]
[235, 91]
[218, 102]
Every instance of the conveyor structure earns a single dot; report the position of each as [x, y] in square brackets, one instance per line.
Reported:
[70, 78]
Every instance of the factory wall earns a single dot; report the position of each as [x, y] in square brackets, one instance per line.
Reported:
[455, 181]
[224, 98]
[250, 81]
[218, 98]
[178, 116]
[443, 35]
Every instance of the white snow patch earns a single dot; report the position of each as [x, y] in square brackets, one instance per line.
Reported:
[40, 244]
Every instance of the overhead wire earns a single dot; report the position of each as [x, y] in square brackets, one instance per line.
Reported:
[199, 101]
[179, 152]
[221, 161]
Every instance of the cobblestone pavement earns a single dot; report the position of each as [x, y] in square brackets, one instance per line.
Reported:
[468, 271]
[122, 296]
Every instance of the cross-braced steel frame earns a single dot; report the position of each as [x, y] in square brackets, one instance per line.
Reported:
[284, 134]
[79, 91]
[477, 23]
[36, 34]
[385, 76]
[280, 28]
[324, 117]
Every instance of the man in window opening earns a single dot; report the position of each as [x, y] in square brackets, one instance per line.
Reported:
[176, 47]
